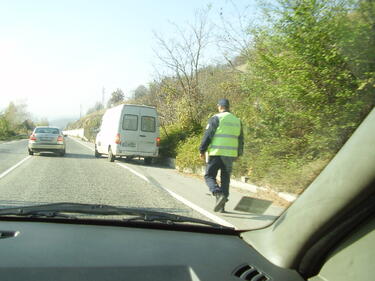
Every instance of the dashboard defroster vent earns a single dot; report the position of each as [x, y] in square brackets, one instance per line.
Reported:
[8, 234]
[250, 273]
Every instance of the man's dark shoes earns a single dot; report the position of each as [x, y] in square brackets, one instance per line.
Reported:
[220, 202]
[222, 210]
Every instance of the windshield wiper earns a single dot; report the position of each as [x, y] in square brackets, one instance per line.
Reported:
[61, 209]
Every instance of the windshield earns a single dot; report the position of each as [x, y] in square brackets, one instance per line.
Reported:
[46, 131]
[237, 106]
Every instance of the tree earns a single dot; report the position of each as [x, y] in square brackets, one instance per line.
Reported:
[116, 97]
[140, 92]
[308, 85]
[233, 38]
[182, 56]
[15, 114]
[43, 122]
[4, 127]
[28, 126]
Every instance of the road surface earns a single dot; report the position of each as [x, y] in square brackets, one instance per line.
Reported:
[81, 178]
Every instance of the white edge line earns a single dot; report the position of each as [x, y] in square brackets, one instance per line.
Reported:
[199, 209]
[81, 143]
[13, 167]
[183, 200]
[176, 196]
[134, 172]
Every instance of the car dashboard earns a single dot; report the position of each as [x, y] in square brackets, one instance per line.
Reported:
[63, 251]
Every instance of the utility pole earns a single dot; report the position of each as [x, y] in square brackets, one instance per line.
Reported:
[80, 111]
[103, 95]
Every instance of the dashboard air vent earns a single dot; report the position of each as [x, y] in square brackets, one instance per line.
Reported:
[250, 273]
[8, 234]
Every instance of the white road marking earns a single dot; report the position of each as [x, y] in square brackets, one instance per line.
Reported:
[13, 167]
[175, 195]
[82, 143]
[183, 200]
[134, 172]
[199, 209]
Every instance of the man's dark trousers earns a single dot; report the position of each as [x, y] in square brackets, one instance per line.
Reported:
[216, 163]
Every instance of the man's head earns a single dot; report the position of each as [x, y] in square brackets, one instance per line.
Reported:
[223, 105]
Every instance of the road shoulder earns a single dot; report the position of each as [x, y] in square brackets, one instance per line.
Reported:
[194, 190]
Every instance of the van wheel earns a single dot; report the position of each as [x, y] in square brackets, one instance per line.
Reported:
[111, 157]
[97, 154]
[31, 152]
[148, 160]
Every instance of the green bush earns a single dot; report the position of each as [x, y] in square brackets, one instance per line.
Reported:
[172, 137]
[281, 174]
[304, 94]
[4, 128]
[188, 153]
[92, 124]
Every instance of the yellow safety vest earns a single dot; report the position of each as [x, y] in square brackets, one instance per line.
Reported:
[225, 140]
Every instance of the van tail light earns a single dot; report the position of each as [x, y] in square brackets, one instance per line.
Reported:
[158, 141]
[118, 139]
[60, 139]
[32, 137]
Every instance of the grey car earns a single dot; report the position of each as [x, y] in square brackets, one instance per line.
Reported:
[48, 139]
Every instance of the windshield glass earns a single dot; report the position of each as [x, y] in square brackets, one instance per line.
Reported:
[237, 106]
[130, 122]
[148, 124]
[47, 131]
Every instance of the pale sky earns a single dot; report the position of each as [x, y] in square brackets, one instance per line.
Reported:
[56, 55]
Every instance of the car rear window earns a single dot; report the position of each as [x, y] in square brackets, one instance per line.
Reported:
[47, 131]
[130, 122]
[148, 124]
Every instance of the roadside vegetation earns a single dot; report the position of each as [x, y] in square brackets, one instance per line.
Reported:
[301, 83]
[91, 122]
[15, 122]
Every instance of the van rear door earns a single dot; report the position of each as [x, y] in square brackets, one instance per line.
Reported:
[149, 130]
[130, 129]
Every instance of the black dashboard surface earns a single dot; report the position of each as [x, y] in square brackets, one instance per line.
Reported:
[52, 251]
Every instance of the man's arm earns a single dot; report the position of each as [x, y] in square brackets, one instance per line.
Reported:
[212, 125]
[240, 142]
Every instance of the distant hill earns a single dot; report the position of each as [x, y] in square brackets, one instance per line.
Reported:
[61, 122]
[89, 122]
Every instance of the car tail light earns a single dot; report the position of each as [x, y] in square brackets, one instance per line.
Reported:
[33, 137]
[158, 141]
[118, 139]
[60, 139]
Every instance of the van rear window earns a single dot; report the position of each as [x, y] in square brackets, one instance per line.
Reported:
[148, 124]
[130, 122]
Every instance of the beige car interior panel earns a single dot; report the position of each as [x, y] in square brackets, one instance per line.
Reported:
[348, 261]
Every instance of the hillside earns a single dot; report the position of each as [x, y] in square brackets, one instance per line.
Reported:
[89, 122]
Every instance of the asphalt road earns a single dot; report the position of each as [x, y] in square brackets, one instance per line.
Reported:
[78, 177]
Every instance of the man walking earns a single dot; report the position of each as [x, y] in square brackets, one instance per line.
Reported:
[223, 140]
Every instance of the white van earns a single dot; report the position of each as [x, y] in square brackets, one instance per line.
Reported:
[129, 130]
